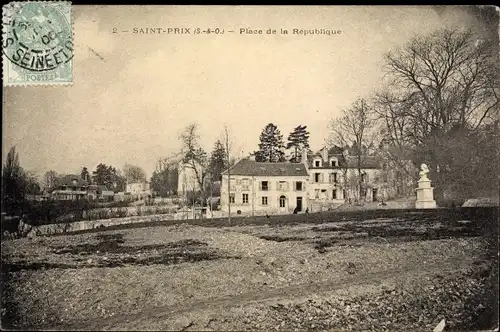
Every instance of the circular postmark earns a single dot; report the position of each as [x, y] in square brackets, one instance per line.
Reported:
[37, 37]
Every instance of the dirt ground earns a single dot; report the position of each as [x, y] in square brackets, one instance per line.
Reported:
[374, 275]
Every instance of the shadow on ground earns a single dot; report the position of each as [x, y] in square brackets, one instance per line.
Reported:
[110, 251]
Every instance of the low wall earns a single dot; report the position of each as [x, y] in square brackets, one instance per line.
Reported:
[85, 225]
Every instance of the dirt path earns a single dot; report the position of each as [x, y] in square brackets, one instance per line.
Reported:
[174, 316]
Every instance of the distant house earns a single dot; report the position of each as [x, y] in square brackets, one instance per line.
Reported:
[71, 187]
[138, 189]
[261, 187]
[329, 170]
[188, 181]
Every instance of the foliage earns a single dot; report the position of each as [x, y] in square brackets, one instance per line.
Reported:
[217, 162]
[108, 176]
[298, 139]
[13, 184]
[85, 175]
[134, 173]
[271, 146]
[164, 180]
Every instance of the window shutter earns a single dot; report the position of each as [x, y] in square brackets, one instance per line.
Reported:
[278, 185]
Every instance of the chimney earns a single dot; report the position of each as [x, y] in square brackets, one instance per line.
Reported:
[324, 154]
[303, 156]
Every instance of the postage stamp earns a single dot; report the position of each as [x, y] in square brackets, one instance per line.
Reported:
[37, 43]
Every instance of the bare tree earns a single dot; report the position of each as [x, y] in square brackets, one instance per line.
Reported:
[228, 146]
[134, 173]
[50, 180]
[355, 125]
[448, 78]
[193, 155]
[444, 86]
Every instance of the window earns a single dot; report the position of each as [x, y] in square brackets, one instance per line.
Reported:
[264, 200]
[245, 185]
[264, 186]
[364, 177]
[282, 201]
[333, 178]
[316, 163]
[238, 182]
[231, 198]
[245, 198]
[283, 186]
[298, 186]
[316, 177]
[334, 194]
[333, 163]
[316, 193]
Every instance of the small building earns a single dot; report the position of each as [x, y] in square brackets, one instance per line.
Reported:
[71, 187]
[139, 190]
[258, 188]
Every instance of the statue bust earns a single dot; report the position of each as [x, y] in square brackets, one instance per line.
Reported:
[424, 170]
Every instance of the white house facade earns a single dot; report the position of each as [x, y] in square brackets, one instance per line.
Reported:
[258, 188]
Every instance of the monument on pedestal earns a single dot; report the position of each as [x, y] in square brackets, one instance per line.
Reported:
[425, 193]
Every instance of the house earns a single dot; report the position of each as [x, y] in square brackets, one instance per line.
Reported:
[258, 188]
[138, 189]
[71, 187]
[335, 178]
[188, 179]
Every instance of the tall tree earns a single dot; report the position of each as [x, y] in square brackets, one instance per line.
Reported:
[108, 176]
[228, 146]
[134, 173]
[271, 146]
[441, 83]
[165, 179]
[194, 157]
[85, 175]
[217, 162]
[297, 140]
[355, 125]
[13, 184]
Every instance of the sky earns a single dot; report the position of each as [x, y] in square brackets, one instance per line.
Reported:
[132, 94]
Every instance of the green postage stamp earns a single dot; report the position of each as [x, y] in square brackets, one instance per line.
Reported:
[37, 43]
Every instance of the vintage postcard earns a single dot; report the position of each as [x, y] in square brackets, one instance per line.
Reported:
[250, 168]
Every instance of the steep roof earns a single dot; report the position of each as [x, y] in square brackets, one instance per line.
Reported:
[73, 180]
[367, 161]
[253, 168]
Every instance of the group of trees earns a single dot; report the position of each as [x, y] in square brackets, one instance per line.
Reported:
[273, 149]
[439, 106]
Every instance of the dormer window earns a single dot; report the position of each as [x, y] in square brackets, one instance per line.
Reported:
[317, 162]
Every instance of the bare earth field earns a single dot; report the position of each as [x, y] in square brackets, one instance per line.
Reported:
[374, 275]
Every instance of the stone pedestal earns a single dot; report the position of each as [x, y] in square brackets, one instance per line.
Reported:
[425, 194]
